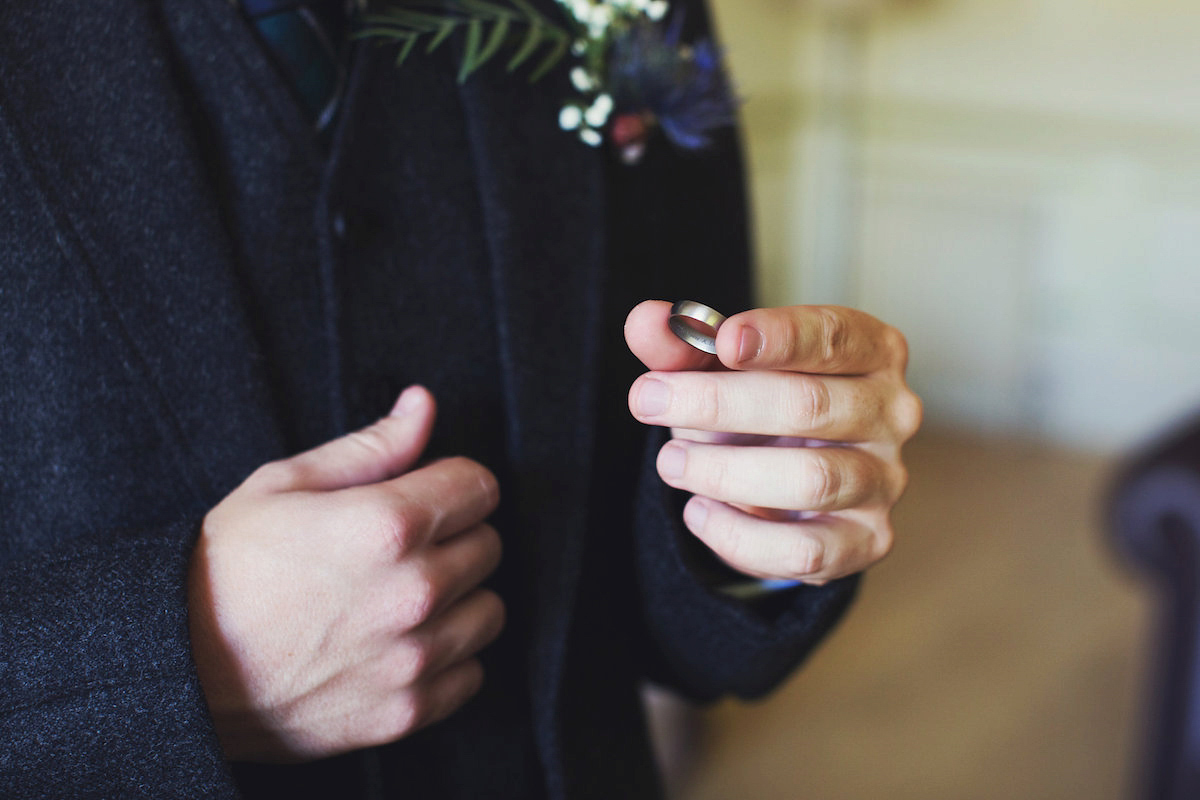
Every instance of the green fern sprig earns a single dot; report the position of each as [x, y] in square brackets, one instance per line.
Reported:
[489, 27]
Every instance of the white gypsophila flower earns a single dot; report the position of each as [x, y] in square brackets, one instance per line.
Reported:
[656, 9]
[600, 18]
[579, 47]
[597, 115]
[581, 10]
[582, 80]
[590, 137]
[570, 118]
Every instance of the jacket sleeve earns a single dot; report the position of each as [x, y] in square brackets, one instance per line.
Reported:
[98, 693]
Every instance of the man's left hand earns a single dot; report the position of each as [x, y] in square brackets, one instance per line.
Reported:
[789, 437]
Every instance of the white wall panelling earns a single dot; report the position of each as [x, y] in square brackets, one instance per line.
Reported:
[1015, 183]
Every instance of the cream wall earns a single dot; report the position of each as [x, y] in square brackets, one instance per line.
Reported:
[1015, 183]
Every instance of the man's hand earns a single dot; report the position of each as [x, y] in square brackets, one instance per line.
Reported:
[334, 596]
[789, 437]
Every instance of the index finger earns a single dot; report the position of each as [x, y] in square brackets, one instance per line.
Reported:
[439, 500]
[823, 340]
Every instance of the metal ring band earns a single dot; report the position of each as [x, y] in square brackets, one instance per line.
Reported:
[686, 310]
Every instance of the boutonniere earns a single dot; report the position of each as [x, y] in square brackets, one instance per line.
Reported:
[633, 73]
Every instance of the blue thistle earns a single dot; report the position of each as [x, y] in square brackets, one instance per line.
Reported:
[656, 79]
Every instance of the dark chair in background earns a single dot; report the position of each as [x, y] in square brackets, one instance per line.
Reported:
[1155, 515]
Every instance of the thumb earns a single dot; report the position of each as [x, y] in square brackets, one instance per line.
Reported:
[378, 452]
[650, 339]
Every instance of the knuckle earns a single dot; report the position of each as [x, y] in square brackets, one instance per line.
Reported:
[386, 721]
[897, 344]
[713, 478]
[710, 412]
[735, 550]
[278, 476]
[378, 727]
[834, 334]
[440, 696]
[373, 441]
[823, 484]
[490, 485]
[403, 524]
[811, 404]
[408, 713]
[466, 468]
[805, 557]
[368, 520]
[861, 479]
[416, 658]
[793, 345]
[491, 547]
[420, 597]
[461, 472]
[884, 540]
[907, 414]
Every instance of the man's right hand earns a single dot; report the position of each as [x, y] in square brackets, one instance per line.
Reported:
[334, 596]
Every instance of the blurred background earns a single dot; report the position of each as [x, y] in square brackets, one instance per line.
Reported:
[1016, 185]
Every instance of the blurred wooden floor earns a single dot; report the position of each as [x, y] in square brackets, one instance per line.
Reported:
[999, 652]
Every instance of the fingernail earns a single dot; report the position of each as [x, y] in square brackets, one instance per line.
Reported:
[409, 399]
[653, 398]
[750, 344]
[672, 460]
[695, 513]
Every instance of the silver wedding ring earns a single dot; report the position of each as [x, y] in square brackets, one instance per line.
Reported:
[696, 324]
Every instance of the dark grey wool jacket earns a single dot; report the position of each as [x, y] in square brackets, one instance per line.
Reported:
[190, 287]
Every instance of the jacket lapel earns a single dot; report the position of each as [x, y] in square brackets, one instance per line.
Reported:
[135, 211]
[542, 202]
